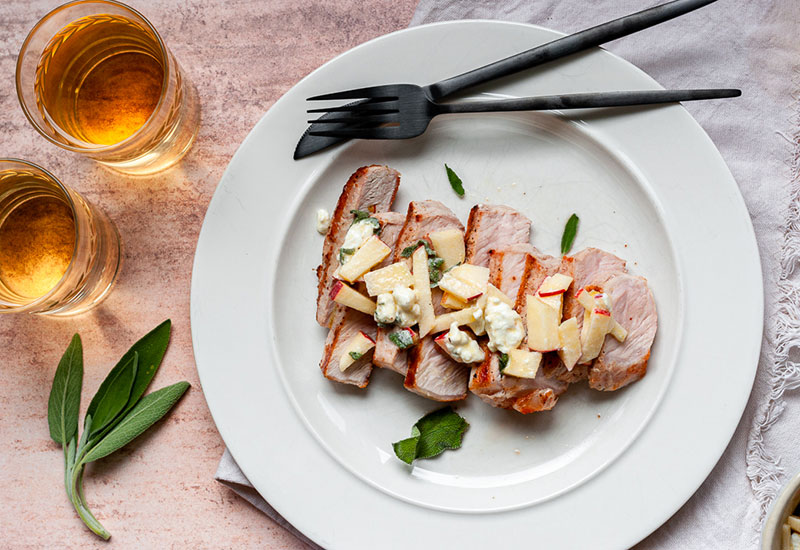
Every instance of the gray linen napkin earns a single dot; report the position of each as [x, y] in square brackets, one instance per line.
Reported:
[753, 45]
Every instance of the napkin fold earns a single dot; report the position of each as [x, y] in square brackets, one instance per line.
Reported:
[753, 45]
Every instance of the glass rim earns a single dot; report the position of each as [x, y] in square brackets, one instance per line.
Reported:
[101, 148]
[71, 203]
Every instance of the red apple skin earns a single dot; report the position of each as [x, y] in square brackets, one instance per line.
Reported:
[441, 337]
[337, 286]
[366, 336]
[476, 296]
[604, 312]
[552, 293]
[579, 292]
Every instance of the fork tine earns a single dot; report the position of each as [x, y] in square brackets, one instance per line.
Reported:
[372, 108]
[373, 92]
[390, 132]
[353, 120]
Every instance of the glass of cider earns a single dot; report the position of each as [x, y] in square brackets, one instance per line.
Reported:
[95, 77]
[59, 254]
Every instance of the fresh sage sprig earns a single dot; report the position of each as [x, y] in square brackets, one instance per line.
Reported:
[433, 434]
[116, 415]
[568, 237]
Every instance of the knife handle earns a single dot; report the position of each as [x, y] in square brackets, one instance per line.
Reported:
[568, 45]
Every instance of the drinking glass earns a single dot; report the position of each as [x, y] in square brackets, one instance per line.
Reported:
[59, 254]
[94, 77]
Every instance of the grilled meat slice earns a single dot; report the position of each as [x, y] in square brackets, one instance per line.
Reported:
[432, 374]
[346, 323]
[429, 372]
[371, 188]
[507, 265]
[493, 227]
[509, 392]
[634, 308]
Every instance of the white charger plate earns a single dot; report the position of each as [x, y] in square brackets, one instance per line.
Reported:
[601, 469]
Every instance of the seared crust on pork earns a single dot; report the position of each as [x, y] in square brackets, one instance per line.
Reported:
[506, 267]
[370, 188]
[346, 323]
[492, 227]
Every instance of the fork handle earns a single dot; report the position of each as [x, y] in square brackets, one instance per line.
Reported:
[586, 100]
[568, 45]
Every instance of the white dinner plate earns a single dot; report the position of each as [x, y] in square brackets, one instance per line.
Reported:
[601, 470]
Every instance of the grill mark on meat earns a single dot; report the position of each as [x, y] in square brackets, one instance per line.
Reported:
[346, 323]
[506, 267]
[369, 188]
[493, 227]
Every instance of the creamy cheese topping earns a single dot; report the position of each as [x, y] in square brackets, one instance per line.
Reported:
[356, 236]
[461, 347]
[407, 307]
[386, 312]
[323, 221]
[503, 325]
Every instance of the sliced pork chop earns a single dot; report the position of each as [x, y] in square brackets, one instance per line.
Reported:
[634, 308]
[429, 372]
[591, 267]
[370, 188]
[391, 224]
[507, 265]
[509, 392]
[432, 374]
[493, 227]
[346, 323]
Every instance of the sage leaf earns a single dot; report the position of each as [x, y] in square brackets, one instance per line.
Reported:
[455, 181]
[570, 230]
[65, 394]
[144, 414]
[434, 433]
[406, 449]
[113, 395]
[503, 361]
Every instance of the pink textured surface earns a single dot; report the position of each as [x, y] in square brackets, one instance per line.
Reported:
[158, 492]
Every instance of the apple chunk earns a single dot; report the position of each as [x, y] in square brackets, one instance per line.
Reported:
[543, 322]
[343, 294]
[449, 246]
[523, 363]
[386, 278]
[552, 289]
[451, 302]
[460, 317]
[369, 255]
[466, 282]
[570, 340]
[422, 287]
[355, 349]
[618, 331]
[593, 334]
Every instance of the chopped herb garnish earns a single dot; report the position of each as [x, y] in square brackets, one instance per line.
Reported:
[356, 356]
[402, 339]
[435, 270]
[503, 361]
[409, 250]
[455, 181]
[433, 434]
[359, 215]
[569, 234]
[345, 251]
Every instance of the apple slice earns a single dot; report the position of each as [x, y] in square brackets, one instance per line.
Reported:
[554, 285]
[422, 287]
[543, 321]
[593, 334]
[343, 294]
[449, 246]
[494, 292]
[523, 363]
[460, 289]
[371, 253]
[473, 274]
[355, 349]
[451, 302]
[569, 337]
[386, 278]
[618, 331]
[460, 317]
[585, 298]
